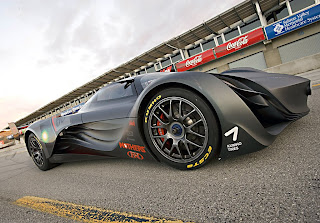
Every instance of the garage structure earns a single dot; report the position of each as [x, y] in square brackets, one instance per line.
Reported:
[271, 35]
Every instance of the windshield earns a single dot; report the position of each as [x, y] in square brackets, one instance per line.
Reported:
[108, 93]
[146, 80]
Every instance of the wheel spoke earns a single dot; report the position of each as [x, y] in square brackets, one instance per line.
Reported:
[164, 142]
[159, 119]
[195, 133]
[197, 122]
[184, 117]
[165, 113]
[158, 127]
[187, 148]
[170, 108]
[180, 109]
[178, 149]
[33, 144]
[171, 150]
[192, 143]
[31, 150]
[157, 137]
[41, 159]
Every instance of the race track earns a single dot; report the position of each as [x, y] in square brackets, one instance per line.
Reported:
[278, 184]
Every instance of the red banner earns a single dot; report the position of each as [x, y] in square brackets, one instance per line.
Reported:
[195, 61]
[239, 43]
[167, 69]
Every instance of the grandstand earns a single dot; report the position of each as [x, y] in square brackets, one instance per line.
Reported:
[264, 34]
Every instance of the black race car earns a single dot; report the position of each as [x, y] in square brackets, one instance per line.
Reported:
[182, 119]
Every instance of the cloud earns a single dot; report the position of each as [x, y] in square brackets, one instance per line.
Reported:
[119, 30]
[52, 47]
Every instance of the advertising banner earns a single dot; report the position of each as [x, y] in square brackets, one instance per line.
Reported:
[239, 43]
[195, 61]
[293, 22]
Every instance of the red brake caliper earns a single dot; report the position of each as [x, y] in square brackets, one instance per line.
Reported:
[161, 131]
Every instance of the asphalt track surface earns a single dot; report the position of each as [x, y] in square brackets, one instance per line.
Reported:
[278, 184]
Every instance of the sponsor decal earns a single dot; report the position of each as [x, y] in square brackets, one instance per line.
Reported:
[167, 69]
[135, 155]
[61, 121]
[132, 123]
[234, 132]
[293, 22]
[239, 43]
[132, 147]
[234, 146]
[196, 60]
[1, 142]
[204, 158]
[150, 106]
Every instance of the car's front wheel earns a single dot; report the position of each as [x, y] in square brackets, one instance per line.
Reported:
[37, 154]
[181, 129]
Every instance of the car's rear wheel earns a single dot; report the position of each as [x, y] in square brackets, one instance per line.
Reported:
[37, 154]
[181, 129]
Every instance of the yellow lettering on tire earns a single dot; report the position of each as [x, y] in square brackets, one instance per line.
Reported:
[38, 142]
[150, 106]
[204, 158]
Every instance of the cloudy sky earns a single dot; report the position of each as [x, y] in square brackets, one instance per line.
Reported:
[50, 47]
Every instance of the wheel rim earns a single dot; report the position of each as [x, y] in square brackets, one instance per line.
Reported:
[178, 129]
[36, 151]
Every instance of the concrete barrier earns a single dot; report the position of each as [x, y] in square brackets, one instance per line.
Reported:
[297, 66]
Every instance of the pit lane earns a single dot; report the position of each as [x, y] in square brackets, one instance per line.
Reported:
[278, 184]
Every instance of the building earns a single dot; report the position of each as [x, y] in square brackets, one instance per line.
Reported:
[273, 35]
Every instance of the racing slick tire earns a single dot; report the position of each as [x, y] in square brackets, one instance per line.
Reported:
[181, 129]
[36, 152]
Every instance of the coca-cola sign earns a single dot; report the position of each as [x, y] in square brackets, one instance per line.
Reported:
[241, 42]
[195, 61]
[237, 44]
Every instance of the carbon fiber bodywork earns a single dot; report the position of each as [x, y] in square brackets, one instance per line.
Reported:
[252, 107]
